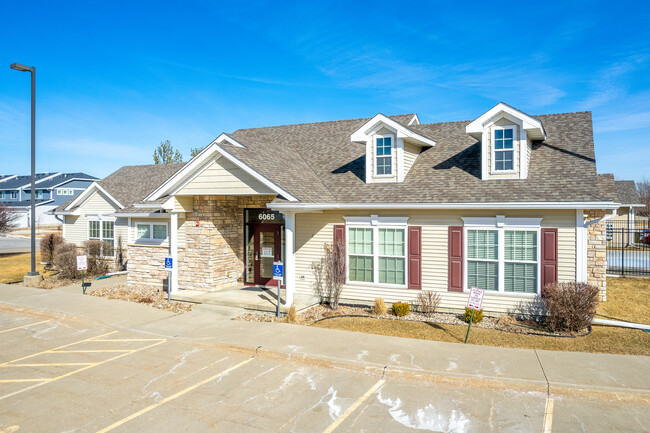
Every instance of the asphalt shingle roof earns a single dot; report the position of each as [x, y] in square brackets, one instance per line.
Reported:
[626, 192]
[318, 163]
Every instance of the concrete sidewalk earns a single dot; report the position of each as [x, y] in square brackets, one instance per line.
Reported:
[599, 376]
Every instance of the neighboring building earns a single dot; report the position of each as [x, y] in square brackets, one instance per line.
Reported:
[620, 228]
[508, 203]
[52, 189]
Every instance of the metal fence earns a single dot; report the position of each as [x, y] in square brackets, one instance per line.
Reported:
[628, 248]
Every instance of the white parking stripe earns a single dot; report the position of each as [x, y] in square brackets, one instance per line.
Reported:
[354, 407]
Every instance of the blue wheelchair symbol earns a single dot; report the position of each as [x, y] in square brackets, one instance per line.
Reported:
[168, 263]
[277, 271]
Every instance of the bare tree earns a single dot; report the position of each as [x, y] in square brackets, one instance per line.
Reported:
[165, 154]
[7, 218]
[644, 191]
[334, 270]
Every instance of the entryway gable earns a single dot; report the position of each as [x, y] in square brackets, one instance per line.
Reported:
[222, 177]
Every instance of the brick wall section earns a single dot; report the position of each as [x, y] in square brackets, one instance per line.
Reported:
[597, 252]
[214, 252]
[146, 265]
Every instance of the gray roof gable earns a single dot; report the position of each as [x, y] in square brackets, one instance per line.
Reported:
[627, 193]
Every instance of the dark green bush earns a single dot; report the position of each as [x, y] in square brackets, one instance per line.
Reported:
[478, 315]
[401, 309]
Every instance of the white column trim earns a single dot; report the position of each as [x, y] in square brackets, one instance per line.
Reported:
[289, 256]
[173, 250]
[581, 247]
[400, 159]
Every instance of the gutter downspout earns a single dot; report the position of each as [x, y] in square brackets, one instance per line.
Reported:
[605, 218]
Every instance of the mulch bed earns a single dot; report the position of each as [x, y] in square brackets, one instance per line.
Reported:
[152, 297]
[320, 312]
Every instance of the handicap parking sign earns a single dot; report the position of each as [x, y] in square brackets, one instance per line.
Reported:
[168, 263]
[278, 269]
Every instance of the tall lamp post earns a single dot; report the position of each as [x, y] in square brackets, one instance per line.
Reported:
[32, 70]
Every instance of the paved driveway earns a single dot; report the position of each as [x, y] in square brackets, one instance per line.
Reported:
[16, 245]
[59, 373]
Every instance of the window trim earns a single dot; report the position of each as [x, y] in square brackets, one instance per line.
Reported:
[393, 149]
[13, 195]
[101, 219]
[150, 240]
[375, 222]
[493, 150]
[502, 224]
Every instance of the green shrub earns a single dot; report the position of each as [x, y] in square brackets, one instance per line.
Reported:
[478, 315]
[401, 309]
[570, 307]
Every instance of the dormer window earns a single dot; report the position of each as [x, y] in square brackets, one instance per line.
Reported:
[503, 150]
[384, 156]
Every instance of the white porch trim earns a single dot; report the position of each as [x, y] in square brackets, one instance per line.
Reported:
[289, 256]
[173, 251]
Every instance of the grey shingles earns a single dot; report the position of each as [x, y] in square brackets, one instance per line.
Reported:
[626, 192]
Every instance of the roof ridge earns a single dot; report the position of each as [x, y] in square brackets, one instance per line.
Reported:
[318, 123]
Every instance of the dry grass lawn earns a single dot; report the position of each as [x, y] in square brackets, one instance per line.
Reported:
[13, 267]
[627, 300]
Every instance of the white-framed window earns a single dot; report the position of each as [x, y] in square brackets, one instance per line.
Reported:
[39, 194]
[150, 231]
[2, 195]
[502, 254]
[376, 250]
[64, 191]
[103, 230]
[12, 195]
[384, 155]
[503, 149]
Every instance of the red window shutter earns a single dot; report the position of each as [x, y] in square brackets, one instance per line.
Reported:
[549, 257]
[455, 258]
[339, 236]
[415, 257]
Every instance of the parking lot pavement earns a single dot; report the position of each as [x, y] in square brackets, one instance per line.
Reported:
[65, 374]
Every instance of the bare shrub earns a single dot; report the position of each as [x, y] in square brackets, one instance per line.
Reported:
[319, 287]
[65, 260]
[291, 315]
[570, 307]
[379, 309]
[334, 272]
[48, 244]
[97, 265]
[428, 301]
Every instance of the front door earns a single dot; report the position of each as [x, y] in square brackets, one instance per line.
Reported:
[266, 251]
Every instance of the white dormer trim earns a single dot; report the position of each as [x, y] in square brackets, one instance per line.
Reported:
[361, 135]
[532, 126]
[414, 121]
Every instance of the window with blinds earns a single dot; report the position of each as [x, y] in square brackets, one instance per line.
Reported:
[360, 246]
[483, 259]
[520, 267]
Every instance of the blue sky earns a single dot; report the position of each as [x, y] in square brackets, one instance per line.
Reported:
[114, 79]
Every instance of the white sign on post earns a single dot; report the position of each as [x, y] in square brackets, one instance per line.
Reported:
[475, 300]
[82, 263]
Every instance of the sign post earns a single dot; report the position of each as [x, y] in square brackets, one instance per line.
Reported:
[474, 302]
[169, 267]
[278, 273]
[82, 265]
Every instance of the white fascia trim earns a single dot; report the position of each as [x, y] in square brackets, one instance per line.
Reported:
[40, 180]
[8, 178]
[225, 138]
[83, 196]
[632, 205]
[148, 206]
[530, 124]
[415, 120]
[605, 218]
[415, 206]
[361, 135]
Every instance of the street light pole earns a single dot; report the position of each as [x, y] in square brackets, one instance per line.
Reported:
[32, 70]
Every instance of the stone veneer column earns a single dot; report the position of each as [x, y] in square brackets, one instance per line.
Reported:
[597, 252]
[214, 253]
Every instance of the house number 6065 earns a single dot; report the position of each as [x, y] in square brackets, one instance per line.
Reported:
[266, 216]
